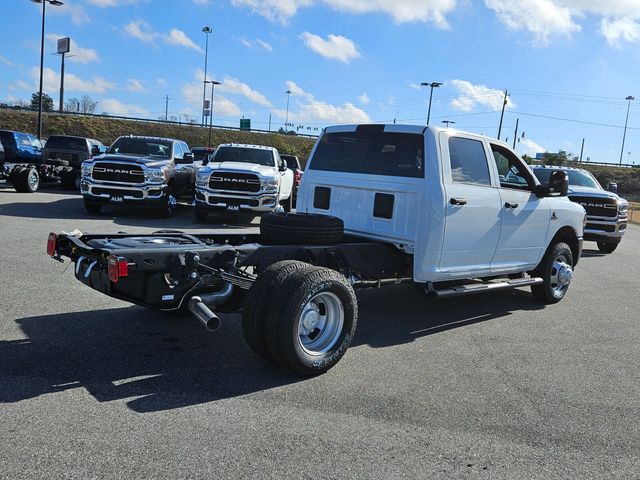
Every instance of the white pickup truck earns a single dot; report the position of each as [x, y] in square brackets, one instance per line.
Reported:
[250, 179]
[452, 212]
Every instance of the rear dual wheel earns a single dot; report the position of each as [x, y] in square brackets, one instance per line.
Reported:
[300, 316]
[26, 180]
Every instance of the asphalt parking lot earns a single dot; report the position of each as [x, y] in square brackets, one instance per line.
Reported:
[494, 386]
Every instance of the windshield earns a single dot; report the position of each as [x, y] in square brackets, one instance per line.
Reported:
[245, 155]
[577, 178]
[67, 143]
[142, 146]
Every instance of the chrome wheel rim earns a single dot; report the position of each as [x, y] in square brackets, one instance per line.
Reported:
[34, 180]
[561, 275]
[320, 323]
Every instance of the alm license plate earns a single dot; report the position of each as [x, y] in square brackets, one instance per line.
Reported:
[116, 199]
[233, 208]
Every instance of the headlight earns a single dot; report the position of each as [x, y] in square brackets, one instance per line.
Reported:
[269, 183]
[202, 177]
[154, 175]
[623, 207]
[87, 169]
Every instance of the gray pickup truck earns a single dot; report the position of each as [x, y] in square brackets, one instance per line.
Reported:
[144, 171]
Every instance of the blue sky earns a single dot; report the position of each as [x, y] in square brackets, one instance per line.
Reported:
[349, 61]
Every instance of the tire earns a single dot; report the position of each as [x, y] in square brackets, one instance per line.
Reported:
[311, 320]
[167, 206]
[607, 247]
[555, 280]
[92, 207]
[201, 215]
[70, 180]
[27, 180]
[286, 204]
[257, 301]
[301, 228]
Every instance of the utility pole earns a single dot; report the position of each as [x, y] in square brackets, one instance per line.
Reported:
[629, 99]
[515, 135]
[62, 82]
[581, 150]
[269, 123]
[286, 120]
[206, 30]
[504, 105]
[432, 85]
[166, 108]
[213, 86]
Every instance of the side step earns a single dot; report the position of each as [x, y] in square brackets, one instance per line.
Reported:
[483, 287]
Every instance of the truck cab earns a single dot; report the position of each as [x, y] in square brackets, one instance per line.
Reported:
[463, 205]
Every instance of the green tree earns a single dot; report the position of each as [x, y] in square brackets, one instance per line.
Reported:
[47, 102]
[559, 159]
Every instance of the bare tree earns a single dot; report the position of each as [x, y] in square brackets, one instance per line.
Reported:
[72, 105]
[87, 104]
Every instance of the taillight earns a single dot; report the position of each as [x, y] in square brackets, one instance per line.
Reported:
[297, 177]
[118, 268]
[52, 240]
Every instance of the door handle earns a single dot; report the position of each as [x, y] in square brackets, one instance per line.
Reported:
[458, 201]
[510, 205]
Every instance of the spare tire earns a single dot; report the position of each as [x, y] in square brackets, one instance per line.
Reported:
[301, 228]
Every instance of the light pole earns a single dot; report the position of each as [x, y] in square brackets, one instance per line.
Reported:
[206, 31]
[54, 3]
[213, 86]
[447, 122]
[286, 119]
[629, 99]
[432, 85]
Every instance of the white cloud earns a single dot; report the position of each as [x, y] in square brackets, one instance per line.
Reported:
[134, 85]
[620, 29]
[116, 107]
[21, 86]
[178, 37]
[192, 93]
[76, 13]
[364, 99]
[234, 86]
[473, 96]
[415, 86]
[530, 147]
[401, 11]
[161, 81]
[78, 53]
[5, 61]
[72, 83]
[141, 30]
[257, 43]
[314, 111]
[202, 2]
[112, 3]
[543, 18]
[335, 47]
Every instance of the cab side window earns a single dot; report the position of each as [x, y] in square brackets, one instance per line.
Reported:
[511, 170]
[468, 161]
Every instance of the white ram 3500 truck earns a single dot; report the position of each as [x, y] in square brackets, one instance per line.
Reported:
[249, 179]
[452, 212]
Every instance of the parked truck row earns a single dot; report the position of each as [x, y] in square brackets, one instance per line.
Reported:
[451, 212]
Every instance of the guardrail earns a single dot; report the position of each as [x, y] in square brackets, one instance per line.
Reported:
[634, 213]
[151, 120]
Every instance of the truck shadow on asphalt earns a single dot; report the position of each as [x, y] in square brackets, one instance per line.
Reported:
[160, 362]
[72, 208]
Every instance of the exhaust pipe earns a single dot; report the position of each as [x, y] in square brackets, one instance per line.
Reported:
[203, 313]
[199, 306]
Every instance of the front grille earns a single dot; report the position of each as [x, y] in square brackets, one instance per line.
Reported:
[117, 172]
[597, 207]
[603, 228]
[237, 202]
[234, 182]
[117, 192]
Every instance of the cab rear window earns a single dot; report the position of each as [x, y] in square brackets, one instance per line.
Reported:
[67, 143]
[371, 152]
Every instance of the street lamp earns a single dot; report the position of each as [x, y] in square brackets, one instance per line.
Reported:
[629, 99]
[286, 119]
[432, 85]
[206, 31]
[447, 122]
[54, 3]
[213, 86]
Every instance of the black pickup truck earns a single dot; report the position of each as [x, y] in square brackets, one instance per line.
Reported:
[62, 158]
[145, 171]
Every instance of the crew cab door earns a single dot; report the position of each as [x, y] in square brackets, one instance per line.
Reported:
[525, 217]
[473, 208]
